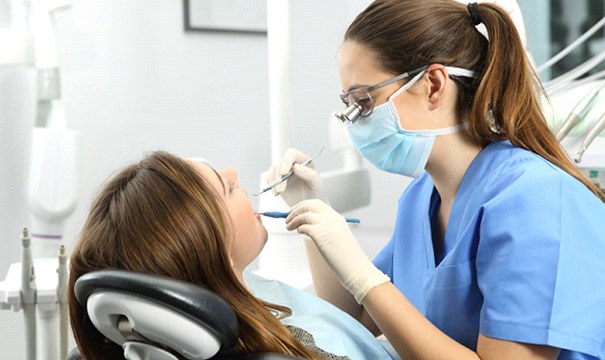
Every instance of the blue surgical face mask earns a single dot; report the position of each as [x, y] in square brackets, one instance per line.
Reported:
[380, 138]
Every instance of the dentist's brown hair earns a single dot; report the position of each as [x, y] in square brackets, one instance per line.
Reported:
[160, 216]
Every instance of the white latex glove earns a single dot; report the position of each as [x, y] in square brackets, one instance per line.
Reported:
[304, 184]
[336, 243]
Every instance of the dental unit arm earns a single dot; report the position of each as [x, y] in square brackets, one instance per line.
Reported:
[581, 128]
[563, 81]
[49, 158]
[53, 173]
[53, 182]
[579, 131]
[568, 49]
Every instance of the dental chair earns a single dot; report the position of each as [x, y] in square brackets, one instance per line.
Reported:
[159, 318]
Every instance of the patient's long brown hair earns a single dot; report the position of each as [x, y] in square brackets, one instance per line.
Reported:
[160, 216]
[501, 103]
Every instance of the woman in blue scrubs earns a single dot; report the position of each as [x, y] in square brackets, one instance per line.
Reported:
[499, 246]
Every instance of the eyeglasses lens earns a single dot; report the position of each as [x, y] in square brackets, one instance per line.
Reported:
[364, 100]
[364, 104]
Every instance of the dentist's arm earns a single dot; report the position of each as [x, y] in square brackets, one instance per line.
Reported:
[336, 243]
[328, 287]
[305, 184]
[410, 333]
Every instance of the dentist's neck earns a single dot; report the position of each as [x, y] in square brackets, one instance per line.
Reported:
[451, 156]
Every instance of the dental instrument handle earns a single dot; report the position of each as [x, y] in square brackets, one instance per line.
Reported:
[282, 179]
[28, 295]
[280, 214]
[288, 175]
[578, 112]
[285, 177]
[570, 122]
[62, 297]
[590, 136]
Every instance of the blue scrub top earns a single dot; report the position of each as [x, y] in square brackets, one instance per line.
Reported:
[523, 257]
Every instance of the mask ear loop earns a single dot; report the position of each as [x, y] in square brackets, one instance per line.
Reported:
[456, 71]
[407, 86]
[451, 70]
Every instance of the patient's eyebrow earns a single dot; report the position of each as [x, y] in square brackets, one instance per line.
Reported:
[220, 178]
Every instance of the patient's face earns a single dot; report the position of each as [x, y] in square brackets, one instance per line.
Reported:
[250, 234]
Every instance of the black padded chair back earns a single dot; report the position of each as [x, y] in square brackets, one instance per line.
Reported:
[75, 355]
[138, 310]
[201, 305]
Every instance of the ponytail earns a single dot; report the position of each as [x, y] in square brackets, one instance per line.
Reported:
[506, 104]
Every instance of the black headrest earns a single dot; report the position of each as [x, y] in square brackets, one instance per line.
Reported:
[201, 305]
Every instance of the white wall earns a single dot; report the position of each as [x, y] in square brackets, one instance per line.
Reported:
[134, 81]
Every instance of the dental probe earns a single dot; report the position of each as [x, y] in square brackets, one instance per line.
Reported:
[590, 136]
[280, 214]
[288, 175]
[578, 112]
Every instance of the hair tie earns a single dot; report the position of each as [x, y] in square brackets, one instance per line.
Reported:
[472, 9]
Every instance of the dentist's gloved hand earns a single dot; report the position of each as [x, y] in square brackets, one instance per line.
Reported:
[336, 243]
[304, 184]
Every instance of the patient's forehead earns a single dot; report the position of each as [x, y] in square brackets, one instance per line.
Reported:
[208, 173]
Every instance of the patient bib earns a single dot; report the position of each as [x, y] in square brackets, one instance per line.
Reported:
[333, 330]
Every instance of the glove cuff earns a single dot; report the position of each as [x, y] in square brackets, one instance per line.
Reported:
[363, 279]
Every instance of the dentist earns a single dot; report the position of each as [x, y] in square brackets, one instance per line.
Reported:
[499, 244]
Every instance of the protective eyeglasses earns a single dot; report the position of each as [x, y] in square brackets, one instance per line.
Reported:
[360, 103]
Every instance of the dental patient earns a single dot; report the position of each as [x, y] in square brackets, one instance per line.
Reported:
[181, 218]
